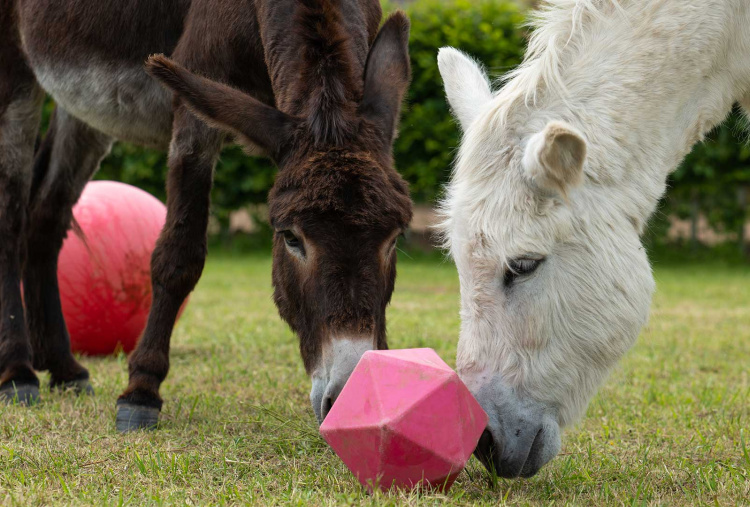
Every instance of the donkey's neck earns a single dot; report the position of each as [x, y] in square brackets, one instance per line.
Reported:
[316, 52]
[644, 81]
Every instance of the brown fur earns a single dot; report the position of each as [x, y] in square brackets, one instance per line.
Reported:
[312, 83]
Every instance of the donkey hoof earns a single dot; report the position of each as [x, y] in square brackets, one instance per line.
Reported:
[22, 394]
[79, 386]
[136, 417]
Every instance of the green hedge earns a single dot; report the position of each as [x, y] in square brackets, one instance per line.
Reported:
[489, 30]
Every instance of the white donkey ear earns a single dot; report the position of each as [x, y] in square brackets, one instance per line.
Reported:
[554, 158]
[466, 84]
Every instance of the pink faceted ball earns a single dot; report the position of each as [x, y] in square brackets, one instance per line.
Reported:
[404, 419]
[105, 278]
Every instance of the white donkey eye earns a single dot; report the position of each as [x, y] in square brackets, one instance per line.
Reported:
[520, 267]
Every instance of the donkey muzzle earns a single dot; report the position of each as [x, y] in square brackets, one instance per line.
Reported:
[522, 435]
[338, 359]
[522, 455]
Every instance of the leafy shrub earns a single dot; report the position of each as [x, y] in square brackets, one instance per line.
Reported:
[489, 30]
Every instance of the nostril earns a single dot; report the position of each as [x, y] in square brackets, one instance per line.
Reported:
[486, 451]
[333, 390]
[326, 406]
[534, 460]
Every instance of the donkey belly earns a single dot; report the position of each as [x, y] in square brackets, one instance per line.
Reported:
[88, 55]
[123, 102]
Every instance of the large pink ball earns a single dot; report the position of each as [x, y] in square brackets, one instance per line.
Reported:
[105, 277]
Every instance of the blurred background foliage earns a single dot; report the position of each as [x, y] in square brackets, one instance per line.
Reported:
[710, 185]
[714, 182]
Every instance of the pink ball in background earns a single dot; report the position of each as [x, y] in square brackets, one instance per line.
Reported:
[105, 277]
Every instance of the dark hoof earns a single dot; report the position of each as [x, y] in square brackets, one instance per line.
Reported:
[22, 394]
[80, 386]
[136, 417]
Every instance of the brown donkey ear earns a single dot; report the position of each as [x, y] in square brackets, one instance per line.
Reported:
[253, 123]
[387, 75]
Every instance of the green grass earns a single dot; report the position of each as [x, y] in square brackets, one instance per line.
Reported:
[671, 425]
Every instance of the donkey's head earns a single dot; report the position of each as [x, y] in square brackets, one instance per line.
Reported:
[555, 285]
[337, 206]
[337, 219]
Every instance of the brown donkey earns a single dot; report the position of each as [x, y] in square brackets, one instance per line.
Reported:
[312, 84]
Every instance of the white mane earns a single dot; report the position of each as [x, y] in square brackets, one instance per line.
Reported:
[559, 26]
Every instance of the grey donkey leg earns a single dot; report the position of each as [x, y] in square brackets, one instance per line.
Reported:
[20, 113]
[65, 161]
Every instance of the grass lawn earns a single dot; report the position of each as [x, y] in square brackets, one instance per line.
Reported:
[671, 426]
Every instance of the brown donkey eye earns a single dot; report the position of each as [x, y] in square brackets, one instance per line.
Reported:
[292, 241]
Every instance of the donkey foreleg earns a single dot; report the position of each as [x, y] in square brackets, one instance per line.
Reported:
[64, 163]
[176, 265]
[20, 114]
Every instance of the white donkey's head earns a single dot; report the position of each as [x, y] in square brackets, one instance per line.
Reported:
[555, 287]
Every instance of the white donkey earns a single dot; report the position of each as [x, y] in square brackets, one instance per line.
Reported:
[556, 177]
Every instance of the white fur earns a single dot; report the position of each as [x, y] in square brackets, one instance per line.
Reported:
[642, 82]
[468, 81]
